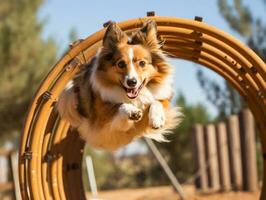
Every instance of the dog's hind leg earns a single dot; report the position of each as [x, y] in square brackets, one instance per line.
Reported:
[67, 106]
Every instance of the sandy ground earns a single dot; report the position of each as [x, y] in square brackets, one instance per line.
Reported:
[167, 193]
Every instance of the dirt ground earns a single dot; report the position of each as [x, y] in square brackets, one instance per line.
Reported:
[167, 193]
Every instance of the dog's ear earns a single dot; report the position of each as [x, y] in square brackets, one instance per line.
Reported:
[114, 36]
[147, 36]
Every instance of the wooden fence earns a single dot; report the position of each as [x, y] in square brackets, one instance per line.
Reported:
[225, 154]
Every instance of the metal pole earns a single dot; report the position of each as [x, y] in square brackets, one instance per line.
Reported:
[166, 168]
[91, 175]
[14, 164]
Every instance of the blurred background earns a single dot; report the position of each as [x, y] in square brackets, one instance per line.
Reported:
[34, 34]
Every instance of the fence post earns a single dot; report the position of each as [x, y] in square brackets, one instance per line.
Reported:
[199, 154]
[212, 157]
[223, 156]
[248, 145]
[232, 125]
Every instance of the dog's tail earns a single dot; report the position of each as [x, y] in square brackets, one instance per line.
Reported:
[67, 106]
[173, 117]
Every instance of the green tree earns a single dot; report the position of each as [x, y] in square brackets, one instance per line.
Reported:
[222, 95]
[241, 19]
[179, 150]
[25, 58]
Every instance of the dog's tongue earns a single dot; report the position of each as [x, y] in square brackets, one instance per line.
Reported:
[132, 93]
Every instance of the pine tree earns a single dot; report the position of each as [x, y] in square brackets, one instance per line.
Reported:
[25, 57]
[241, 19]
[223, 96]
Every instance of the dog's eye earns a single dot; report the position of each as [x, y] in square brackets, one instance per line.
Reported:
[122, 64]
[142, 63]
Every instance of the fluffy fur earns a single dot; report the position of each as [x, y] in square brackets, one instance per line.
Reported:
[123, 93]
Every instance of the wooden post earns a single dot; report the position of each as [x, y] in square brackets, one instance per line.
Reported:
[232, 125]
[200, 158]
[223, 157]
[212, 157]
[248, 145]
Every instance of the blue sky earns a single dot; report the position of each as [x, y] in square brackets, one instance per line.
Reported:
[87, 17]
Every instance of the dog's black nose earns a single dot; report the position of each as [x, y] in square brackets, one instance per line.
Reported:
[132, 82]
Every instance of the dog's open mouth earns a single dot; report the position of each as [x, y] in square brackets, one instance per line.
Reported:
[132, 93]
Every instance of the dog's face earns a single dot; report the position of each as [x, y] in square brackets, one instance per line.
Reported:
[131, 62]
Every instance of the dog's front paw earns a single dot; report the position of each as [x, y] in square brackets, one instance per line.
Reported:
[131, 111]
[156, 115]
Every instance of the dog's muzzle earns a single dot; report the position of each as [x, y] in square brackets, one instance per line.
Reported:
[132, 92]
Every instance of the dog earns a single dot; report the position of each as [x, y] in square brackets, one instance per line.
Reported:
[124, 92]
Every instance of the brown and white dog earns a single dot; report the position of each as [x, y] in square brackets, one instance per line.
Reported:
[124, 92]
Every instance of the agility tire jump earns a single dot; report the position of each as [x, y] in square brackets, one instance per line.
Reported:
[51, 152]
